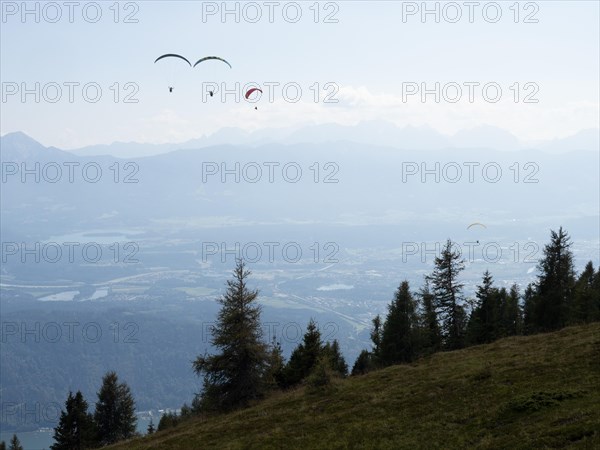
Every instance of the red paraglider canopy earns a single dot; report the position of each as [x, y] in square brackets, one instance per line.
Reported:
[250, 91]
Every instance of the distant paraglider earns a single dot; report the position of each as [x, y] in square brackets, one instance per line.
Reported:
[172, 55]
[207, 58]
[249, 92]
[476, 224]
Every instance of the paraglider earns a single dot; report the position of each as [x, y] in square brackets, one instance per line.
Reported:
[250, 91]
[207, 58]
[172, 55]
[183, 58]
[476, 223]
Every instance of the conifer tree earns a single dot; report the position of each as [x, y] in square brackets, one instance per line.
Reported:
[596, 280]
[512, 315]
[76, 428]
[555, 285]
[320, 375]
[501, 302]
[363, 363]
[304, 356]
[276, 366]
[150, 429]
[376, 336]
[15, 444]
[185, 412]
[430, 340]
[236, 375]
[448, 296]
[115, 411]
[168, 420]
[529, 309]
[335, 359]
[586, 303]
[596, 294]
[398, 342]
[483, 323]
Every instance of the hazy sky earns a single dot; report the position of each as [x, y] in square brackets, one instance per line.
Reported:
[375, 53]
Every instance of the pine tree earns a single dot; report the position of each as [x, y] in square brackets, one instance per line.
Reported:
[370, 360]
[483, 322]
[115, 411]
[448, 296]
[305, 356]
[363, 363]
[596, 294]
[430, 339]
[376, 335]
[76, 428]
[398, 342]
[555, 285]
[167, 420]
[150, 429]
[2, 445]
[197, 403]
[15, 444]
[502, 321]
[320, 375]
[276, 366]
[185, 412]
[334, 358]
[512, 315]
[586, 300]
[529, 309]
[236, 375]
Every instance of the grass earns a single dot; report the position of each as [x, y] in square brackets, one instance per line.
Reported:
[527, 392]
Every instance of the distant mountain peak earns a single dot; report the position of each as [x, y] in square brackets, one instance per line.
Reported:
[18, 146]
[18, 137]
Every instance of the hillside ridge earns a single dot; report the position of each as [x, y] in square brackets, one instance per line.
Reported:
[537, 391]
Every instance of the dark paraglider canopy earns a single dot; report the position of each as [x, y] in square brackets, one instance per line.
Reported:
[476, 224]
[206, 58]
[172, 55]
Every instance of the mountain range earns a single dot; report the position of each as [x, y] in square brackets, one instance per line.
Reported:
[380, 133]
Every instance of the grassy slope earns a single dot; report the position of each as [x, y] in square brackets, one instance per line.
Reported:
[522, 392]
